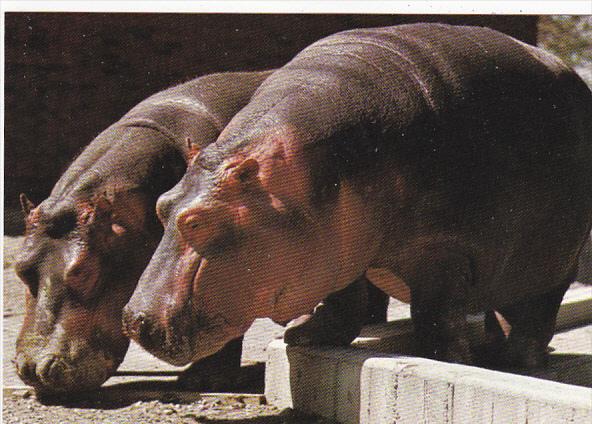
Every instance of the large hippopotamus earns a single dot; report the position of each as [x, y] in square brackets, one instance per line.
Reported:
[88, 242]
[455, 159]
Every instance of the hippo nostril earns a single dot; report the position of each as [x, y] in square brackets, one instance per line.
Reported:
[52, 372]
[192, 222]
[145, 332]
[130, 322]
[188, 220]
[137, 327]
[26, 370]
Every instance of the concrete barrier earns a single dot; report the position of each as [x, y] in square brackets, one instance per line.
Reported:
[362, 385]
[359, 386]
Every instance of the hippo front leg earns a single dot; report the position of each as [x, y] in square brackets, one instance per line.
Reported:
[532, 324]
[222, 371]
[439, 310]
[337, 321]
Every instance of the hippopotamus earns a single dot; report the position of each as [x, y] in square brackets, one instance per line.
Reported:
[454, 159]
[88, 242]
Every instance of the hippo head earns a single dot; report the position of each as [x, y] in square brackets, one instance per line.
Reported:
[242, 240]
[80, 261]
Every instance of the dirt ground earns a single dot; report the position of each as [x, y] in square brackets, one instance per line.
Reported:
[21, 408]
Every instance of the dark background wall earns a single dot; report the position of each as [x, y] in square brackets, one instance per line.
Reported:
[68, 76]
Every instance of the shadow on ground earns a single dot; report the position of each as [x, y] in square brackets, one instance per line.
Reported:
[287, 416]
[567, 368]
[124, 394]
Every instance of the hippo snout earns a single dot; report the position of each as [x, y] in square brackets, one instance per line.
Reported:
[164, 342]
[26, 370]
[139, 327]
[53, 374]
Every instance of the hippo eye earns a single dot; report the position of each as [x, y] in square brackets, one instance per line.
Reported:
[61, 225]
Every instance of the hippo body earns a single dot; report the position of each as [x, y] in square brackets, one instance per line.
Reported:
[456, 159]
[88, 242]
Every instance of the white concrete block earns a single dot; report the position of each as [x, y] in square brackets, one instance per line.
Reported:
[352, 386]
[409, 400]
[471, 405]
[315, 385]
[311, 380]
[377, 392]
[347, 396]
[544, 413]
[278, 390]
[438, 401]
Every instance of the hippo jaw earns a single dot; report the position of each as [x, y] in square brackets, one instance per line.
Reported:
[190, 307]
[169, 326]
[70, 354]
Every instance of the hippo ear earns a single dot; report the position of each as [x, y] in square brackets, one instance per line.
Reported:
[246, 173]
[192, 149]
[26, 204]
[103, 202]
[100, 207]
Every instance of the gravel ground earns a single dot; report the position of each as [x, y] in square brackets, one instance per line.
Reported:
[23, 407]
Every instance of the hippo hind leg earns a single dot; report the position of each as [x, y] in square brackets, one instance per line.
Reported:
[337, 321]
[438, 307]
[532, 324]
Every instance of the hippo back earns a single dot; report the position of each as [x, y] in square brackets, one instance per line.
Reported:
[410, 78]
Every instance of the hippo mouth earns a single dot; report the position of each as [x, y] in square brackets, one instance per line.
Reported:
[54, 375]
[182, 332]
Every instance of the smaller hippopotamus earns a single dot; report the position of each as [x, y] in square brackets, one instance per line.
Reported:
[455, 159]
[88, 242]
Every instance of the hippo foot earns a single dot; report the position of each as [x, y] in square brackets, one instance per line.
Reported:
[512, 353]
[321, 328]
[524, 352]
[337, 320]
[531, 324]
[459, 351]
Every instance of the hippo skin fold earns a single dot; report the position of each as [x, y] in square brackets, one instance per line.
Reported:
[456, 159]
[88, 242]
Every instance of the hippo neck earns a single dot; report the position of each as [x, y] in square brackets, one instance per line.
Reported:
[182, 121]
[122, 158]
[198, 110]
